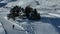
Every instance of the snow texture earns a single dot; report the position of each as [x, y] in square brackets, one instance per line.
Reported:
[49, 23]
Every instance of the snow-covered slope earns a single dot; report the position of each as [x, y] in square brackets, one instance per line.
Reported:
[38, 27]
[46, 8]
[8, 26]
[2, 31]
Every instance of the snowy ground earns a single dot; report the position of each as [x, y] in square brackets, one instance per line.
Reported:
[49, 23]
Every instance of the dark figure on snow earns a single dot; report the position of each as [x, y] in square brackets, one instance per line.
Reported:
[14, 12]
[29, 13]
[13, 26]
[34, 15]
[28, 9]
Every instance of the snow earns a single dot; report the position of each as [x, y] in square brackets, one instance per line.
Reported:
[1, 29]
[45, 28]
[47, 25]
[59, 26]
[8, 27]
[15, 24]
[57, 15]
[14, 3]
[41, 27]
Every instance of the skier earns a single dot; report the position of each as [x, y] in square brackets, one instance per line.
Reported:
[34, 15]
[14, 12]
[13, 26]
[28, 9]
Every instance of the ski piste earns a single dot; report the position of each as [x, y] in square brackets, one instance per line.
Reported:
[25, 28]
[40, 27]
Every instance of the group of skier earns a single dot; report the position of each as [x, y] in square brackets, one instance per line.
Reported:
[20, 12]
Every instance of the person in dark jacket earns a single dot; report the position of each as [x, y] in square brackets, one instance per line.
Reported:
[14, 12]
[34, 15]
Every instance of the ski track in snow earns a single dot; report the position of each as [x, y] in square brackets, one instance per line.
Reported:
[57, 15]
[52, 18]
